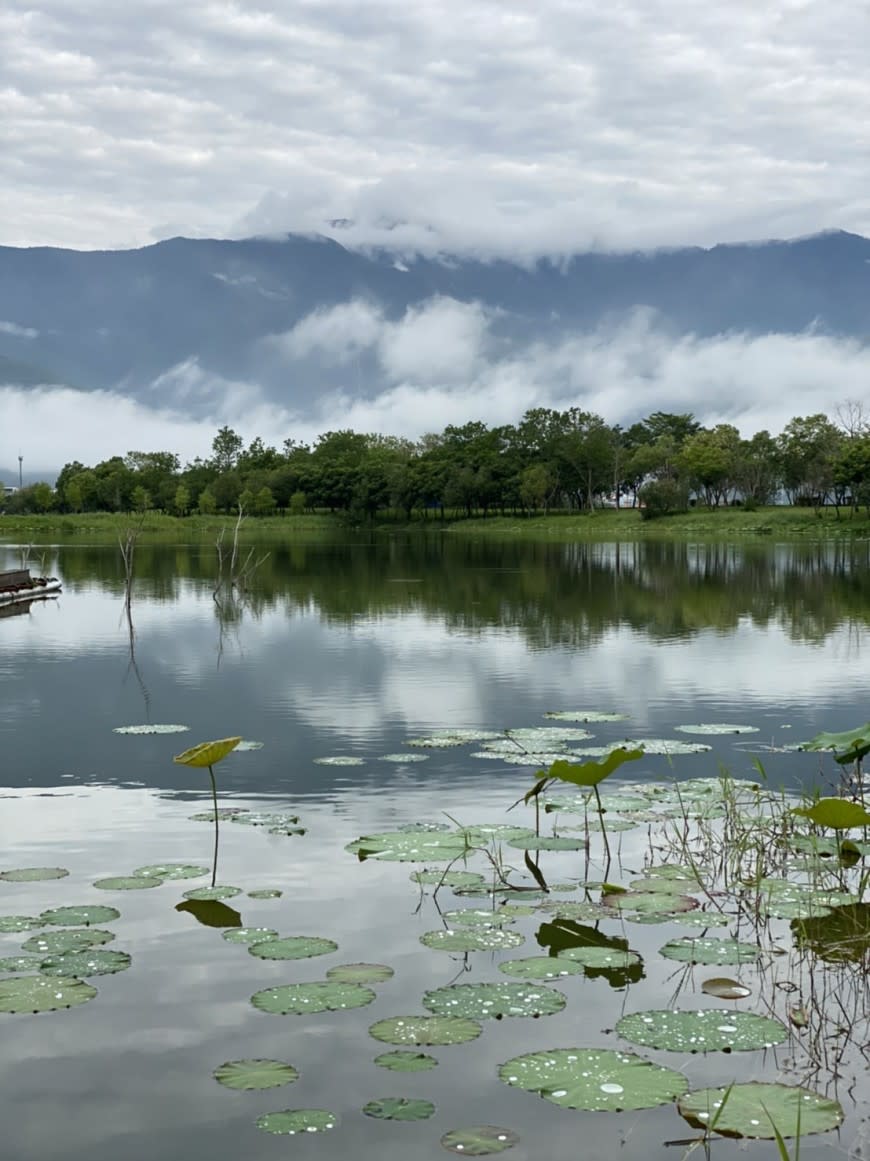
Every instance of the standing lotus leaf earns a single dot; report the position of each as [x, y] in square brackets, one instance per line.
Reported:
[710, 1030]
[426, 1031]
[472, 939]
[759, 1110]
[291, 1121]
[406, 1061]
[360, 973]
[708, 950]
[479, 1140]
[207, 753]
[293, 947]
[93, 961]
[594, 1078]
[79, 916]
[493, 1001]
[302, 999]
[33, 874]
[399, 1109]
[250, 1075]
[38, 994]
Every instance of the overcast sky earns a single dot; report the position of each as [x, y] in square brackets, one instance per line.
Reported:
[504, 127]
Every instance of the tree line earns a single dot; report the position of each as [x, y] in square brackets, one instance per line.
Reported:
[550, 460]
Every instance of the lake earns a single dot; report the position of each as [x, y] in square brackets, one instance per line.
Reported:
[340, 659]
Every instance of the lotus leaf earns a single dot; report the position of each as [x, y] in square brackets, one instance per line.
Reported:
[540, 967]
[493, 1001]
[716, 728]
[399, 1061]
[477, 917]
[707, 950]
[73, 939]
[38, 994]
[291, 1121]
[404, 758]
[581, 909]
[293, 947]
[836, 813]
[249, 934]
[444, 739]
[404, 847]
[670, 747]
[540, 758]
[33, 874]
[207, 753]
[851, 744]
[128, 883]
[15, 923]
[479, 1140]
[79, 916]
[425, 1031]
[709, 1030]
[724, 988]
[594, 1078]
[340, 760]
[423, 827]
[448, 878]
[600, 957]
[246, 746]
[700, 919]
[94, 961]
[472, 939]
[650, 902]
[759, 1110]
[151, 729]
[535, 842]
[585, 716]
[483, 833]
[267, 818]
[249, 1075]
[20, 963]
[399, 1109]
[302, 999]
[171, 871]
[266, 893]
[360, 973]
[223, 813]
[210, 894]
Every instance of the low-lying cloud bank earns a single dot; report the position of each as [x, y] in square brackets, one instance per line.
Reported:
[444, 362]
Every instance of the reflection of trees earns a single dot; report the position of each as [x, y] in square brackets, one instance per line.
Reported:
[557, 594]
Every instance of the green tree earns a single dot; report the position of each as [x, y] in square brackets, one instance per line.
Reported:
[263, 502]
[226, 448]
[808, 447]
[141, 499]
[181, 500]
[709, 460]
[207, 504]
[536, 487]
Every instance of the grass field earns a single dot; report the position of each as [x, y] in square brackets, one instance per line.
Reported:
[733, 524]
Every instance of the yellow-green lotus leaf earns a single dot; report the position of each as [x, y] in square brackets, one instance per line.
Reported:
[207, 753]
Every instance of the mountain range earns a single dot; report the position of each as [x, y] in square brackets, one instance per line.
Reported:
[124, 319]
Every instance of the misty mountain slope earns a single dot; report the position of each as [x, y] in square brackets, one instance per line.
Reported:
[124, 318]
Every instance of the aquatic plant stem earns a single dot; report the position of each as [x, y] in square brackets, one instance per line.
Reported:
[216, 831]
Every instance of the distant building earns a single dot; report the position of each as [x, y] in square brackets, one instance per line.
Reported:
[9, 489]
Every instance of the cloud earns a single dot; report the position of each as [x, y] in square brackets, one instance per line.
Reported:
[622, 372]
[468, 125]
[16, 331]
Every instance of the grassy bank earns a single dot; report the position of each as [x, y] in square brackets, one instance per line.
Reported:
[732, 524]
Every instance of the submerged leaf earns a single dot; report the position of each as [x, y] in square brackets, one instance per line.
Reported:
[207, 753]
[410, 846]
[250, 1075]
[594, 1078]
[759, 1110]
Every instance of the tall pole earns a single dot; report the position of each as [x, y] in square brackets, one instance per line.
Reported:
[20, 472]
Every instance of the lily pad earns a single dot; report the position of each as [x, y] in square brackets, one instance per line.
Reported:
[426, 1031]
[708, 950]
[444, 739]
[38, 994]
[479, 1140]
[483, 833]
[493, 1001]
[302, 999]
[712, 728]
[404, 759]
[250, 1075]
[249, 934]
[340, 760]
[360, 973]
[209, 894]
[600, 957]
[246, 746]
[293, 947]
[171, 871]
[594, 1078]
[224, 813]
[79, 916]
[413, 847]
[709, 1030]
[33, 874]
[128, 883]
[399, 1109]
[542, 842]
[406, 1061]
[20, 963]
[579, 909]
[724, 988]
[74, 939]
[584, 716]
[266, 818]
[15, 923]
[94, 961]
[291, 1121]
[437, 878]
[667, 746]
[540, 967]
[266, 893]
[759, 1110]
[151, 729]
[650, 902]
[477, 917]
[472, 939]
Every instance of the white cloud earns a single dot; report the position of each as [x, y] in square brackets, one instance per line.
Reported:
[17, 332]
[469, 125]
[440, 341]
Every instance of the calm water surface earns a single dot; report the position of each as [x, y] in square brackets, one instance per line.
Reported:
[352, 649]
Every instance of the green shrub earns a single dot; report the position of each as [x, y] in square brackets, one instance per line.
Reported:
[662, 498]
